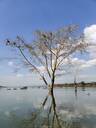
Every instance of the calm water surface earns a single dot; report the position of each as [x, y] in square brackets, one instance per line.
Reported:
[80, 108]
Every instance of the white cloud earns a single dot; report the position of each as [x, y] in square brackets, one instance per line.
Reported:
[20, 79]
[89, 63]
[90, 37]
[14, 66]
[82, 64]
[19, 75]
[41, 69]
[90, 33]
[77, 62]
[10, 63]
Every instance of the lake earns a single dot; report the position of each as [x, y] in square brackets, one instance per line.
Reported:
[77, 110]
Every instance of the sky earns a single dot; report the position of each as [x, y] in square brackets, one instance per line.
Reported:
[23, 17]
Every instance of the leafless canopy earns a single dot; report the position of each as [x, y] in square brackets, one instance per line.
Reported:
[47, 53]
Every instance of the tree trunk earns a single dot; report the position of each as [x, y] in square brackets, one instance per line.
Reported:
[52, 82]
[51, 88]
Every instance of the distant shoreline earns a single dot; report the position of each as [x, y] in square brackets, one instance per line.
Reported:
[80, 84]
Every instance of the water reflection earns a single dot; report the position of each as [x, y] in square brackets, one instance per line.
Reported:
[61, 109]
[49, 117]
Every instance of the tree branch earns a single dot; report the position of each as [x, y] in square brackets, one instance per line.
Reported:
[35, 68]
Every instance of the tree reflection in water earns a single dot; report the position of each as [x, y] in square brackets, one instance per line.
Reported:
[47, 117]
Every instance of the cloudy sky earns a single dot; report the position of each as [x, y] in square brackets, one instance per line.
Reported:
[23, 17]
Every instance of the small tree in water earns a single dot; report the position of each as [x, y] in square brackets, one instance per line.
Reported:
[48, 52]
[46, 56]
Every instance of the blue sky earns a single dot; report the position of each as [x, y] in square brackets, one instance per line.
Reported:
[23, 17]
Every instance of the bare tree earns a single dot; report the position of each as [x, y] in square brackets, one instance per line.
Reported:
[76, 68]
[48, 52]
